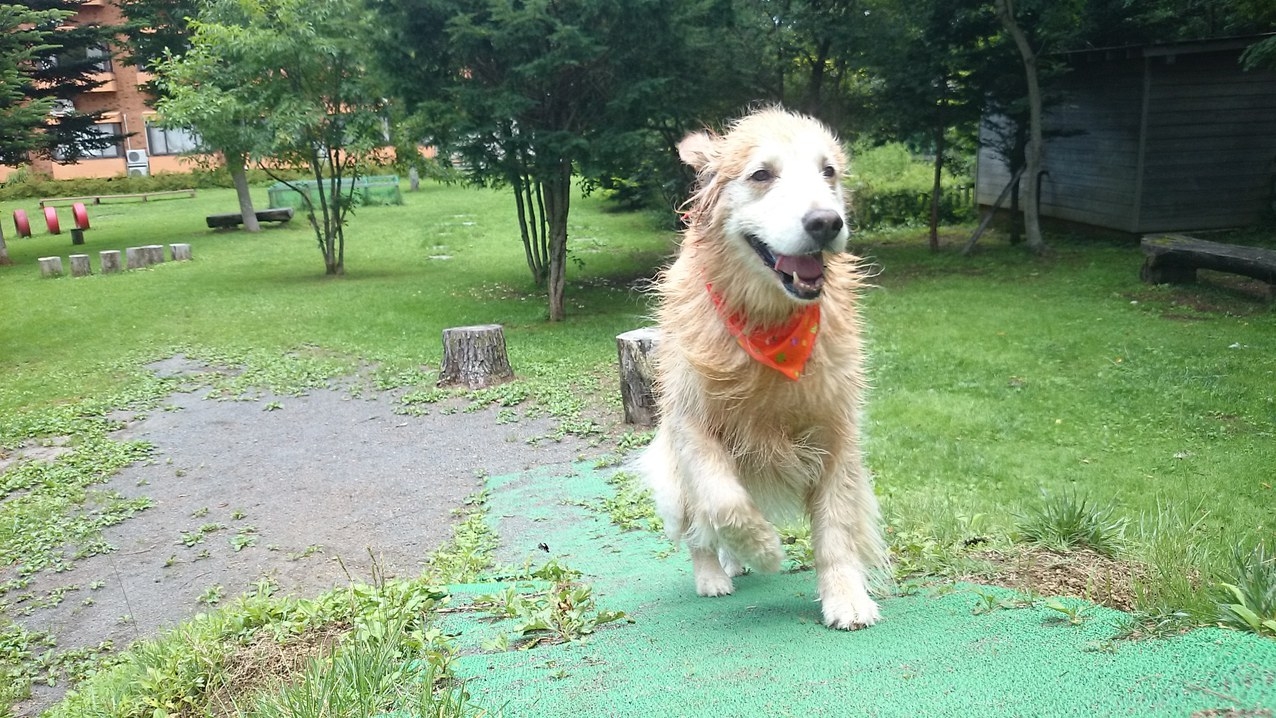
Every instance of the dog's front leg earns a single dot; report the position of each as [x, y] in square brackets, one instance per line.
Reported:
[720, 513]
[847, 543]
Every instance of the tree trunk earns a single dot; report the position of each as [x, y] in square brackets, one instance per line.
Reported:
[637, 377]
[4, 251]
[109, 259]
[1032, 165]
[80, 265]
[936, 189]
[557, 204]
[474, 357]
[239, 175]
[50, 266]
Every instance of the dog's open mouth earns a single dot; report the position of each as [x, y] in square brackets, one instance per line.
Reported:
[802, 275]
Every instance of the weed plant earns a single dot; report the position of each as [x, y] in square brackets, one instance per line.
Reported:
[1064, 522]
[1248, 601]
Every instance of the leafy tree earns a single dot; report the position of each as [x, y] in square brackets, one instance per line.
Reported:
[931, 60]
[285, 82]
[218, 97]
[525, 93]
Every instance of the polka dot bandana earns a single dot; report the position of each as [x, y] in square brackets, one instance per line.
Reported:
[786, 347]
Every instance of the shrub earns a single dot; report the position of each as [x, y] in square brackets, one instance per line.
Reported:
[889, 187]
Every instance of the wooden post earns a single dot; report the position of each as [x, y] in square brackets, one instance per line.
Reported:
[50, 266]
[80, 265]
[77, 236]
[637, 378]
[474, 357]
[180, 252]
[110, 260]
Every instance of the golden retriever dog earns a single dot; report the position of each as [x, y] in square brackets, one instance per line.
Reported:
[758, 370]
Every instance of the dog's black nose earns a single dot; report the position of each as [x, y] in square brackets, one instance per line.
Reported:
[823, 225]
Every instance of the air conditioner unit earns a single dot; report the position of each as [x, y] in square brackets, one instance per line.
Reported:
[139, 170]
[136, 157]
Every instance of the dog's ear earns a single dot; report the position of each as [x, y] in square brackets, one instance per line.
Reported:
[698, 150]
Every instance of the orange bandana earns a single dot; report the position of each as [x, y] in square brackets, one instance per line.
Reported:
[785, 348]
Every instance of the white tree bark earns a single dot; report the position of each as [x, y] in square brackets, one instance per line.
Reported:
[1033, 152]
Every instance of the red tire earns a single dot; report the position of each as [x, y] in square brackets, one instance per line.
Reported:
[81, 215]
[21, 223]
[51, 220]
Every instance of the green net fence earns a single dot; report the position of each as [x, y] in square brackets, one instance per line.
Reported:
[364, 191]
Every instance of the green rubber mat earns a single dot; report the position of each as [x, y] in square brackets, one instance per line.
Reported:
[763, 651]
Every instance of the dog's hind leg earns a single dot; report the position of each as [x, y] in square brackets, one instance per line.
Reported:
[659, 466]
[730, 564]
[847, 544]
[711, 578]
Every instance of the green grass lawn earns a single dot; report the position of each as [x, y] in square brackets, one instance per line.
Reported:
[1001, 382]
[447, 257]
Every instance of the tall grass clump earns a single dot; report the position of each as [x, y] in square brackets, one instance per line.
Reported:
[1065, 522]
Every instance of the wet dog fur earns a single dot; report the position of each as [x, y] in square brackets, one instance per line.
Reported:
[740, 446]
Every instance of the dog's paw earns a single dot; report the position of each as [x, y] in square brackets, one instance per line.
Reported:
[714, 585]
[757, 546]
[849, 613]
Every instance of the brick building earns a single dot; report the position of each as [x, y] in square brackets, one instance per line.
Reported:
[145, 148]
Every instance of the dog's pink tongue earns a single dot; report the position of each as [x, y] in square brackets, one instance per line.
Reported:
[803, 266]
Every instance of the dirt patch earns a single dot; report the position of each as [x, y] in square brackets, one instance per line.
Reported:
[305, 493]
[1081, 574]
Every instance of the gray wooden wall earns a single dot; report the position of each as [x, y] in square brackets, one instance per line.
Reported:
[1151, 141]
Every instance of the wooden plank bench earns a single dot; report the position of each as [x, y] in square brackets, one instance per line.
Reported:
[234, 219]
[1174, 259]
[100, 198]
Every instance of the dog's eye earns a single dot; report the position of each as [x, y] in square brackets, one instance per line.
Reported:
[829, 171]
[762, 175]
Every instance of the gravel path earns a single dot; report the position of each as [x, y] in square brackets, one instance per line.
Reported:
[314, 489]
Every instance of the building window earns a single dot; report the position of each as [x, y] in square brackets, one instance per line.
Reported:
[102, 55]
[170, 141]
[108, 129]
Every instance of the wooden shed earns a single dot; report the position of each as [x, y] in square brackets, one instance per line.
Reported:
[1156, 138]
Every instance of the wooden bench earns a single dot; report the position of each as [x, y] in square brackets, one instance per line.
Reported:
[100, 198]
[234, 219]
[1174, 259]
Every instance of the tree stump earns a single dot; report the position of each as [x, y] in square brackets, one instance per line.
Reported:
[110, 260]
[474, 357]
[50, 266]
[80, 265]
[637, 377]
[180, 252]
[414, 179]
[135, 257]
[154, 254]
